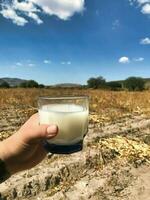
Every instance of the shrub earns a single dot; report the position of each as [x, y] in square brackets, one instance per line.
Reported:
[134, 84]
[29, 84]
[95, 83]
[4, 84]
[114, 85]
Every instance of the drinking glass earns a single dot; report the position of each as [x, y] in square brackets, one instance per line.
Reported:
[70, 114]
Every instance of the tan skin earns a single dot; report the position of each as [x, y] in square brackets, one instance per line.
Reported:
[23, 150]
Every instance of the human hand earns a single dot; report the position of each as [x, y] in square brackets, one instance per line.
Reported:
[24, 149]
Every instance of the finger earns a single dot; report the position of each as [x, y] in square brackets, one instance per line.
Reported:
[42, 132]
[31, 130]
[45, 131]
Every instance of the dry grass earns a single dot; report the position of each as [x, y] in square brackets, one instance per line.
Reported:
[104, 105]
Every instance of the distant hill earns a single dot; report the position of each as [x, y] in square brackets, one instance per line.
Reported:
[147, 80]
[67, 85]
[12, 81]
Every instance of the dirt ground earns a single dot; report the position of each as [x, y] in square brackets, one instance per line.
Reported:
[115, 161]
[114, 165]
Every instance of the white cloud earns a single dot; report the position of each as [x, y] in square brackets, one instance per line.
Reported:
[25, 6]
[47, 61]
[131, 2]
[66, 63]
[19, 64]
[28, 8]
[145, 41]
[69, 63]
[146, 9]
[143, 4]
[10, 13]
[27, 64]
[140, 2]
[63, 9]
[143, 1]
[115, 24]
[124, 60]
[140, 59]
[35, 17]
[31, 65]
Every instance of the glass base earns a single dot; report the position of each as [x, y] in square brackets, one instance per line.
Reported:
[63, 149]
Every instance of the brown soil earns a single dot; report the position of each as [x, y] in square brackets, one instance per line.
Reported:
[114, 165]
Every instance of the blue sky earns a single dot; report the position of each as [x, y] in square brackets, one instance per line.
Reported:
[62, 41]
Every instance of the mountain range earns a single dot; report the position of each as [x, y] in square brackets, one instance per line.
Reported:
[13, 82]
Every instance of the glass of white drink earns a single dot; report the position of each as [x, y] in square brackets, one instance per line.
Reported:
[70, 114]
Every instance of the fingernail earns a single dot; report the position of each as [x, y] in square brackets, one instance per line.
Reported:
[52, 130]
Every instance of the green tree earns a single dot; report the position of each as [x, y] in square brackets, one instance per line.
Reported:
[23, 84]
[41, 86]
[4, 84]
[29, 84]
[32, 84]
[114, 85]
[134, 84]
[95, 83]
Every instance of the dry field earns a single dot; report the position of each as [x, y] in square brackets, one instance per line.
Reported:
[115, 162]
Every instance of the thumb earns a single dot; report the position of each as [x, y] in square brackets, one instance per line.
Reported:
[40, 132]
[45, 132]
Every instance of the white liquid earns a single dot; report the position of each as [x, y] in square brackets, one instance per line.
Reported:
[71, 119]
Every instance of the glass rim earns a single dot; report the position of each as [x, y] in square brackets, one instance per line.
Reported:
[62, 97]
